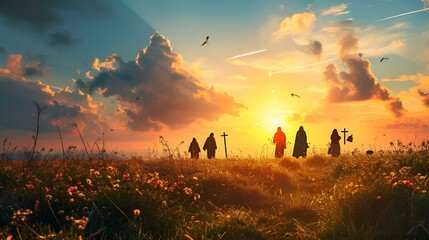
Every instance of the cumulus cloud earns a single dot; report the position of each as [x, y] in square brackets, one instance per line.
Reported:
[425, 97]
[44, 14]
[63, 107]
[410, 123]
[358, 83]
[62, 38]
[295, 24]
[17, 70]
[336, 10]
[169, 93]
[334, 27]
[315, 48]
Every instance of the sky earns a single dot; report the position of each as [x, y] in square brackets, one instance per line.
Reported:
[130, 71]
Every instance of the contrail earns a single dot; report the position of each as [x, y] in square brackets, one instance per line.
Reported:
[402, 14]
[301, 67]
[247, 54]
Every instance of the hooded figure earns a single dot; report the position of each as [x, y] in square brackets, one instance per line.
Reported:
[280, 141]
[335, 149]
[301, 145]
[194, 149]
[210, 146]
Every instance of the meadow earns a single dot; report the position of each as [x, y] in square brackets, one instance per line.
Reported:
[355, 196]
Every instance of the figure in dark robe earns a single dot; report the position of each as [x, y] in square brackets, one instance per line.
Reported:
[301, 145]
[334, 148]
[194, 149]
[210, 146]
[280, 141]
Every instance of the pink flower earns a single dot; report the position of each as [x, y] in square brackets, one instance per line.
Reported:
[126, 177]
[378, 197]
[59, 176]
[46, 189]
[29, 186]
[72, 189]
[408, 183]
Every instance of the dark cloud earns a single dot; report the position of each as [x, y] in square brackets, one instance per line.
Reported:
[62, 38]
[63, 107]
[425, 97]
[358, 83]
[315, 48]
[43, 14]
[170, 94]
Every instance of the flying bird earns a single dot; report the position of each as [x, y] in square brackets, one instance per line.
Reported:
[294, 95]
[138, 98]
[206, 41]
[381, 60]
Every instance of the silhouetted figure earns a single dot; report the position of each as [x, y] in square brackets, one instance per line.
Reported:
[280, 141]
[301, 145]
[210, 146]
[194, 149]
[335, 149]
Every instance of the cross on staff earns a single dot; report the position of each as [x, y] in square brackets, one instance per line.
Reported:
[224, 135]
[344, 131]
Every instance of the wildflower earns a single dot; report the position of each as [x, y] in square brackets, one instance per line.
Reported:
[197, 197]
[89, 182]
[378, 197]
[188, 191]
[138, 192]
[60, 212]
[80, 227]
[164, 203]
[136, 212]
[72, 189]
[110, 168]
[116, 185]
[29, 186]
[195, 178]
[48, 197]
[81, 194]
[422, 177]
[71, 199]
[46, 189]
[59, 176]
[126, 177]
[407, 182]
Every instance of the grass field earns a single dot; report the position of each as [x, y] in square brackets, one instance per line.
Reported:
[355, 196]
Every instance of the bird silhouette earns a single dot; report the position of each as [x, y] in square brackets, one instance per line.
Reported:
[137, 98]
[206, 41]
[294, 95]
[381, 60]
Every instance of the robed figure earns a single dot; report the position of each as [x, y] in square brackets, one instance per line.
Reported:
[301, 145]
[334, 148]
[280, 141]
[210, 146]
[194, 149]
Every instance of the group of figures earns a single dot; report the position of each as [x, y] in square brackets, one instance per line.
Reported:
[209, 146]
[301, 145]
[299, 149]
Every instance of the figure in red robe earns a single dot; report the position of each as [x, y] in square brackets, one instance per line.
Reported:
[280, 141]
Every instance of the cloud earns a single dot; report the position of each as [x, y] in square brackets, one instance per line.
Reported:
[358, 83]
[315, 48]
[62, 38]
[63, 107]
[334, 27]
[336, 10]
[170, 94]
[44, 14]
[297, 23]
[16, 70]
[425, 97]
[410, 123]
[295, 117]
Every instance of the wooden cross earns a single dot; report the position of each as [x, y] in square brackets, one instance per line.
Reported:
[344, 131]
[224, 135]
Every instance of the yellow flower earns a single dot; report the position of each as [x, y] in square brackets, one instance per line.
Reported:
[164, 203]
[136, 212]
[116, 185]
[109, 168]
[422, 177]
[48, 197]
[89, 182]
